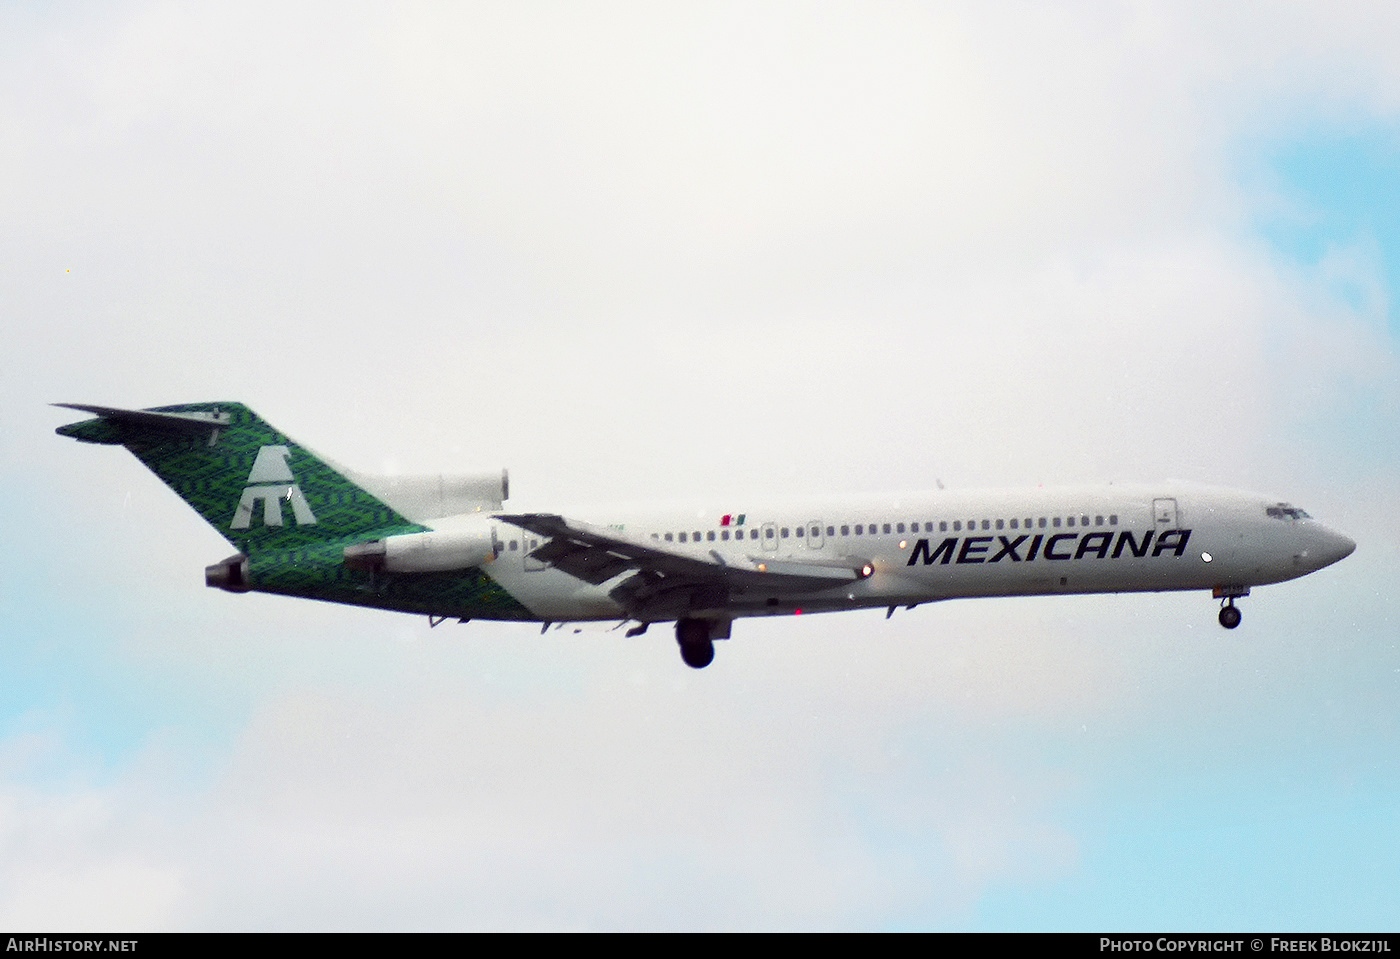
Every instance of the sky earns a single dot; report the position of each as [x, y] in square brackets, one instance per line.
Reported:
[636, 252]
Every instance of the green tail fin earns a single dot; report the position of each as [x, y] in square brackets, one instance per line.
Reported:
[256, 486]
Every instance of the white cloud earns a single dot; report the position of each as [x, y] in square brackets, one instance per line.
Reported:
[639, 808]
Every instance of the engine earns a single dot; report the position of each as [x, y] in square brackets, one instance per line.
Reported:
[461, 544]
[422, 498]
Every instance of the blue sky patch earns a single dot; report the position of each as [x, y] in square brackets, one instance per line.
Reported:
[1339, 192]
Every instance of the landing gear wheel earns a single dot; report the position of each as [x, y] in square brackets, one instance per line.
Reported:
[1229, 616]
[698, 655]
[697, 649]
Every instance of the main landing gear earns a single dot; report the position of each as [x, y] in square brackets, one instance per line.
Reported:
[695, 637]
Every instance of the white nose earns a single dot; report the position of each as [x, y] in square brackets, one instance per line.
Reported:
[1332, 546]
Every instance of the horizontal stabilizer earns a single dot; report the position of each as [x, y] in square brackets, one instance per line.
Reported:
[118, 426]
[254, 484]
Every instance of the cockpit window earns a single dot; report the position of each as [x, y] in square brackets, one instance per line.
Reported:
[1286, 511]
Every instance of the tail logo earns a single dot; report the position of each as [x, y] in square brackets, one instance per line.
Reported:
[271, 481]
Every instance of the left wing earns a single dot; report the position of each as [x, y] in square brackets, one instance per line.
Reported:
[665, 577]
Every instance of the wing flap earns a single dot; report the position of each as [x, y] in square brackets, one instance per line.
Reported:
[832, 571]
[592, 564]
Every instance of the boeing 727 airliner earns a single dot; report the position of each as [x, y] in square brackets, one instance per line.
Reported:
[446, 547]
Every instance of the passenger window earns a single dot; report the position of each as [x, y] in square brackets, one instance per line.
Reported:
[899, 528]
[784, 532]
[1042, 522]
[724, 535]
[668, 537]
[943, 526]
[1069, 521]
[512, 546]
[1083, 521]
[887, 527]
[860, 530]
[697, 536]
[1098, 520]
[655, 536]
[999, 525]
[1013, 523]
[710, 535]
[845, 531]
[768, 533]
[1113, 520]
[957, 526]
[1056, 523]
[682, 537]
[986, 524]
[831, 531]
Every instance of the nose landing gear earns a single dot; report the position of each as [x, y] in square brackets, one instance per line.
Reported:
[1229, 615]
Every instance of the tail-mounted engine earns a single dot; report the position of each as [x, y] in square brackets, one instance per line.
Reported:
[461, 545]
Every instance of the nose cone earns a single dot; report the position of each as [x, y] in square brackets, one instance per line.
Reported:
[1328, 546]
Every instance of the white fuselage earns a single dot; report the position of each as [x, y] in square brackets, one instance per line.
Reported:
[920, 547]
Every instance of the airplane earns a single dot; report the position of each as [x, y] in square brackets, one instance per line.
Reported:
[445, 546]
